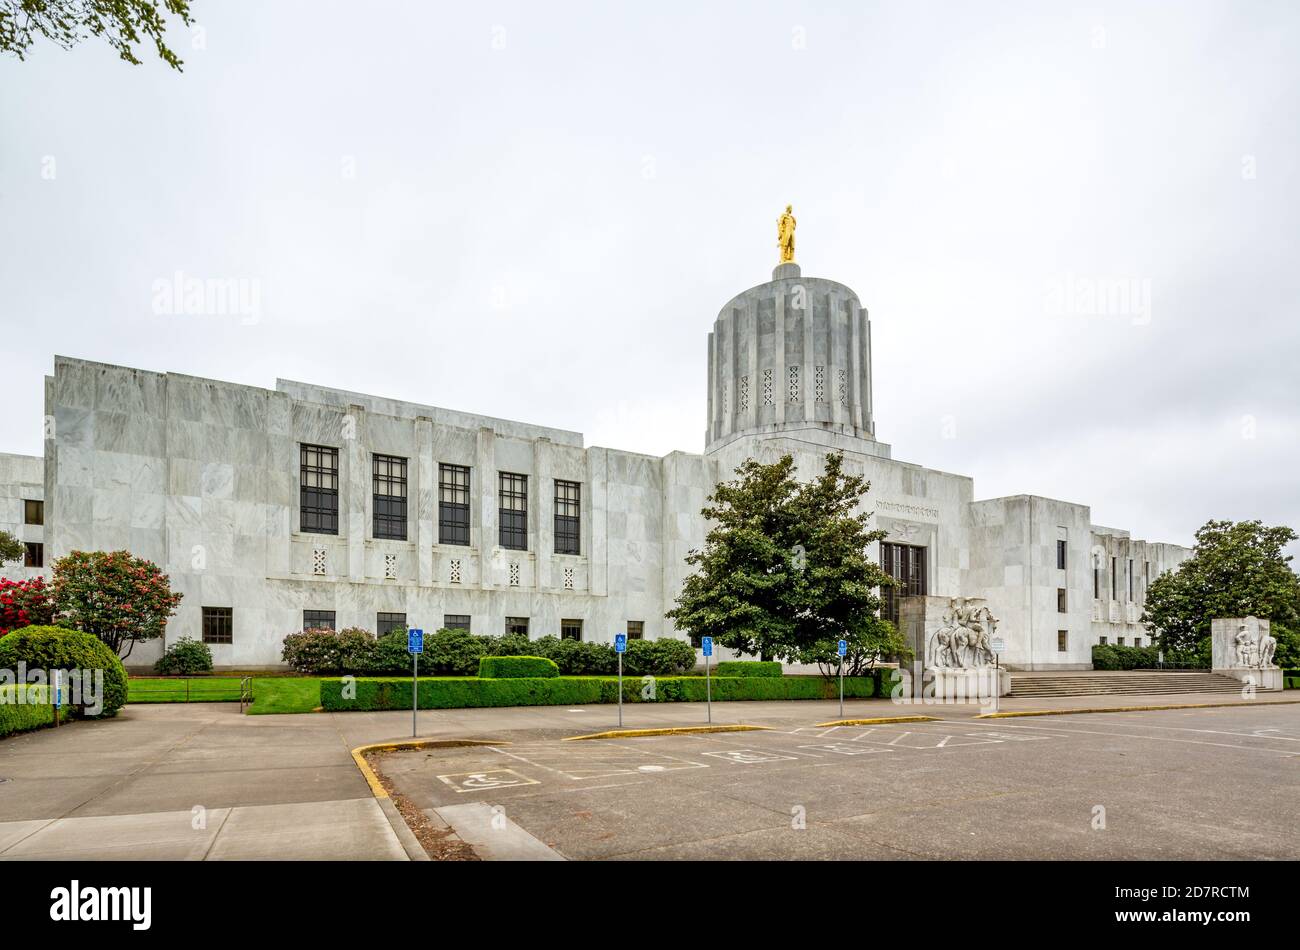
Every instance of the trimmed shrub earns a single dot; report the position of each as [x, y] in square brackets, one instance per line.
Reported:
[325, 651]
[577, 657]
[469, 692]
[54, 648]
[1114, 657]
[512, 644]
[662, 657]
[183, 657]
[517, 667]
[451, 653]
[749, 668]
[35, 711]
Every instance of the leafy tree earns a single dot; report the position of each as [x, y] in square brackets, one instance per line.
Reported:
[121, 23]
[120, 598]
[784, 572]
[11, 549]
[1237, 569]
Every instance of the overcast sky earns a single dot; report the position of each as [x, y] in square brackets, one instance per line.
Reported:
[535, 211]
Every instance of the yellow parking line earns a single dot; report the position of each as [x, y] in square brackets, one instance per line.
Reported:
[674, 731]
[1106, 709]
[877, 722]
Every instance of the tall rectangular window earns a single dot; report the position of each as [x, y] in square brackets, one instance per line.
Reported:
[389, 475]
[636, 629]
[318, 482]
[517, 625]
[33, 554]
[388, 621]
[455, 622]
[33, 511]
[570, 629]
[218, 625]
[1060, 554]
[905, 563]
[568, 517]
[453, 504]
[1062, 641]
[1061, 605]
[513, 494]
[1114, 580]
[1096, 583]
[1130, 578]
[318, 620]
[1104, 639]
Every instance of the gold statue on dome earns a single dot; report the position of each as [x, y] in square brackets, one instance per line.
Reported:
[785, 226]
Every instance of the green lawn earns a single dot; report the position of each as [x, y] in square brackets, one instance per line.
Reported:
[271, 694]
[285, 694]
[194, 689]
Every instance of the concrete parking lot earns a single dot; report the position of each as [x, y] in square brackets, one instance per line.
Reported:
[200, 781]
[1200, 783]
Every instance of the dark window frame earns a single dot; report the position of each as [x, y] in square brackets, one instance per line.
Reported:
[905, 563]
[318, 489]
[36, 505]
[456, 622]
[1062, 601]
[218, 624]
[512, 508]
[635, 630]
[320, 615]
[453, 503]
[571, 629]
[1060, 554]
[394, 619]
[519, 622]
[1063, 641]
[568, 517]
[390, 510]
[33, 554]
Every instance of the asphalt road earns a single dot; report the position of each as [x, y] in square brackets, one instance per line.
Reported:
[1185, 784]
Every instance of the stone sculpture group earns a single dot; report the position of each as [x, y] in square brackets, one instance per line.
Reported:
[963, 642]
[1254, 652]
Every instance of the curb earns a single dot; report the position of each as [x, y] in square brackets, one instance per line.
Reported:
[376, 787]
[878, 721]
[1106, 709]
[674, 731]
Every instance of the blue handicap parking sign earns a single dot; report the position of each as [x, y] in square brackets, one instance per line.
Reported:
[706, 644]
[844, 647]
[620, 643]
[414, 641]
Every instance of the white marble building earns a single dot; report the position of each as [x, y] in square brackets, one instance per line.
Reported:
[306, 505]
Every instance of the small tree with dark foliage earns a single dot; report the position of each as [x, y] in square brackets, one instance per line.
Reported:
[784, 573]
[120, 598]
[1237, 569]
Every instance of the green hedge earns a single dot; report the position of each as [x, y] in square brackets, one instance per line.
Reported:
[1115, 657]
[465, 692]
[54, 648]
[34, 712]
[517, 667]
[1291, 682]
[748, 668]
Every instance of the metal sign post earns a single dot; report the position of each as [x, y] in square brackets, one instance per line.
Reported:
[842, 649]
[706, 644]
[415, 645]
[998, 645]
[620, 647]
[58, 696]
